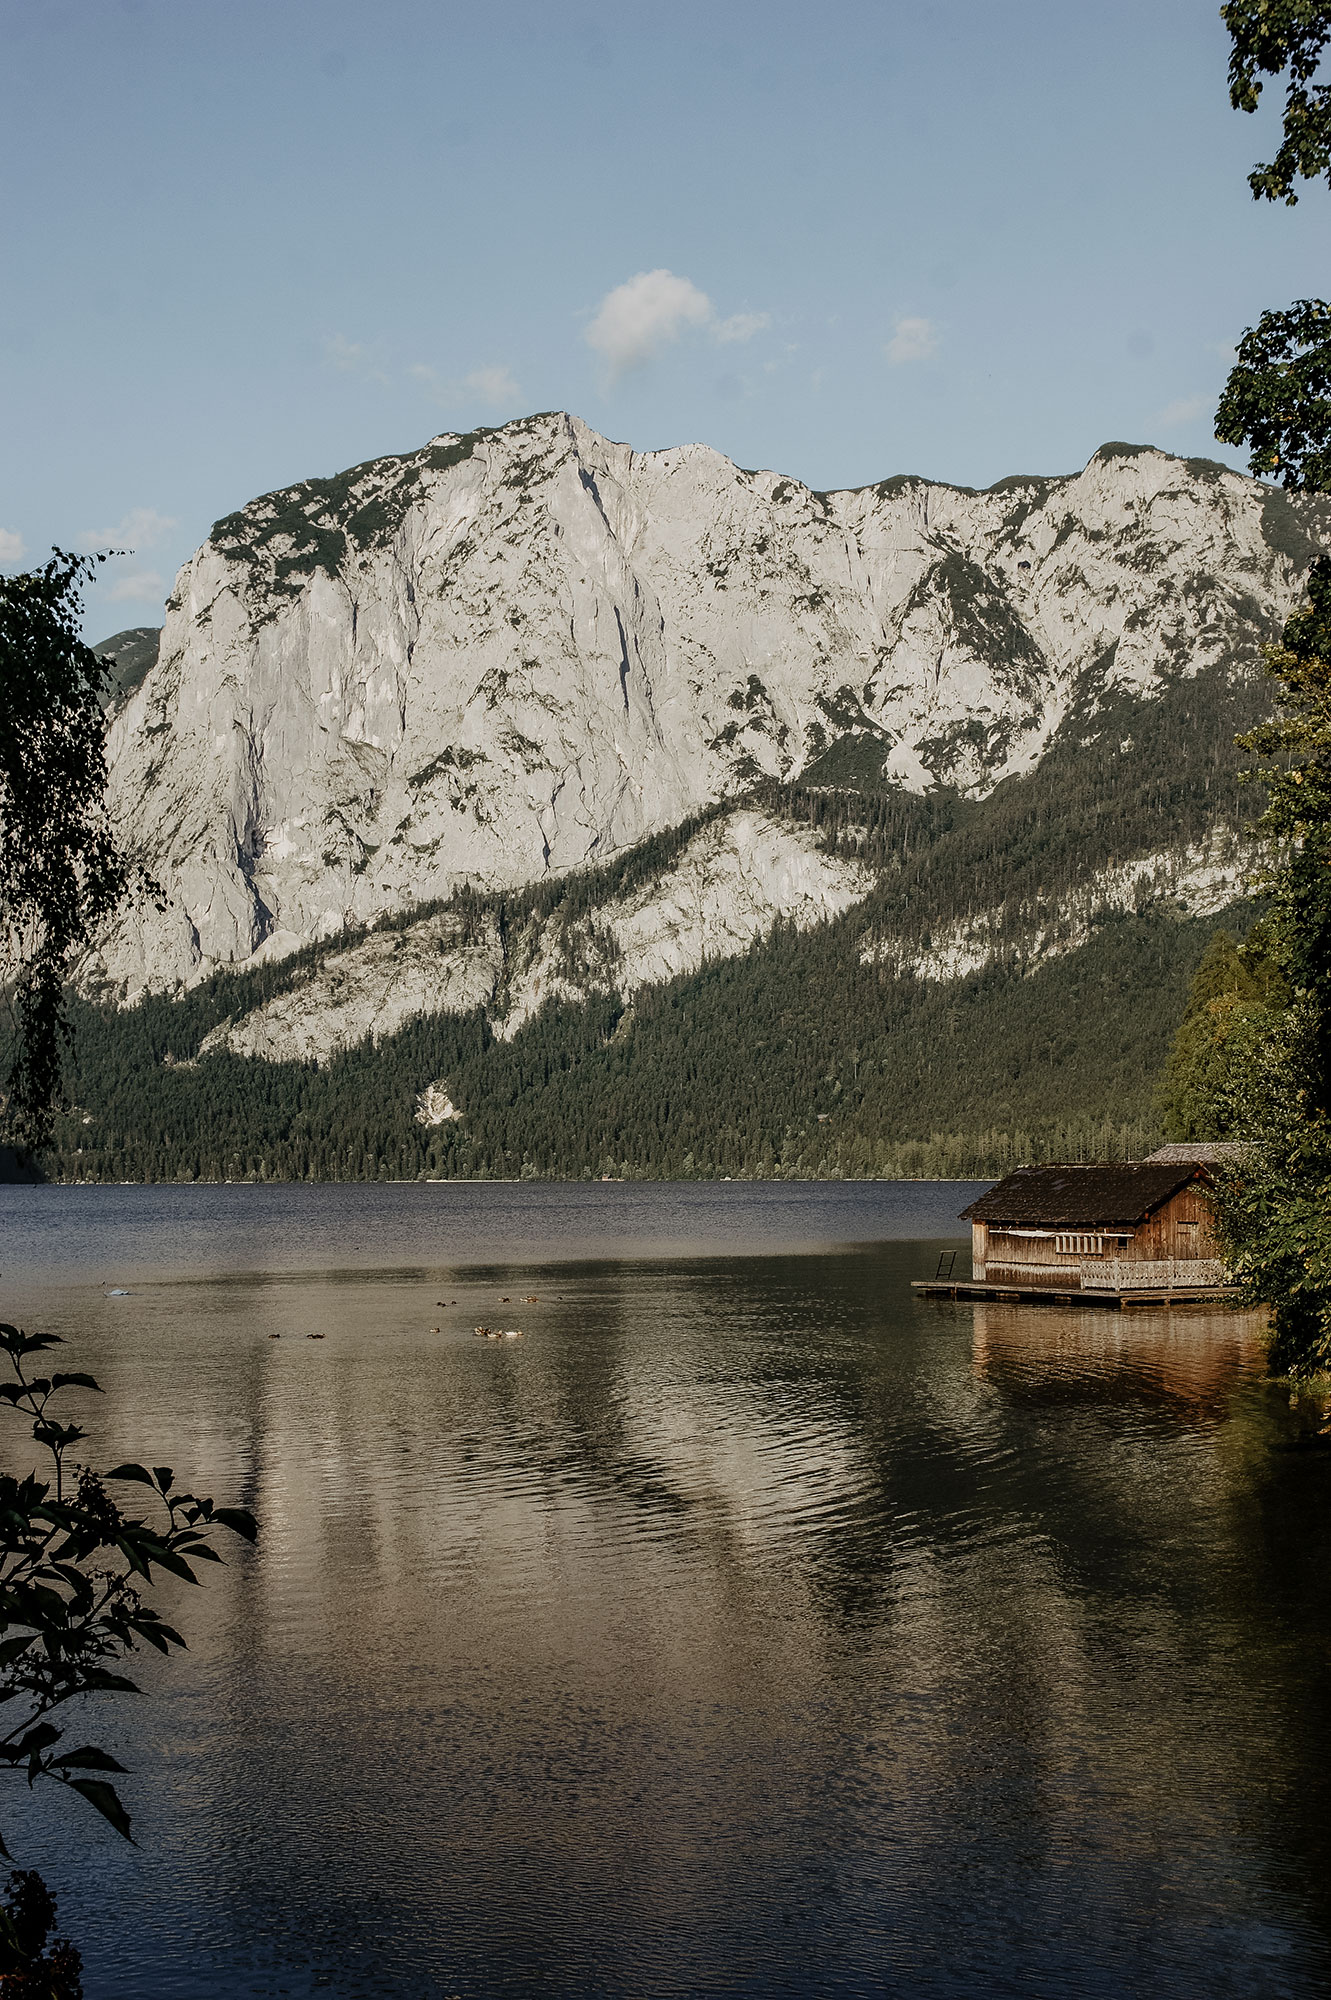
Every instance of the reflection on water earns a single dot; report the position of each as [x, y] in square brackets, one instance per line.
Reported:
[1188, 1360]
[748, 1627]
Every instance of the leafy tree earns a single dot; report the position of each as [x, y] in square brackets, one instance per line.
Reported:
[33, 1964]
[1269, 1075]
[1232, 983]
[73, 1569]
[1269, 38]
[61, 870]
[1275, 1210]
[1252, 1058]
[1277, 400]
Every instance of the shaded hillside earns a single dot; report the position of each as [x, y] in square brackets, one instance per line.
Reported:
[850, 1047]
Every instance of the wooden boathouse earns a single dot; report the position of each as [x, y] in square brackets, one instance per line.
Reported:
[1137, 1232]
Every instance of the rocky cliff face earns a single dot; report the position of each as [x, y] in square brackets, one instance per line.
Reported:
[518, 652]
[727, 888]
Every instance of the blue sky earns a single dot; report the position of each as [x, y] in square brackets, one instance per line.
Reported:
[243, 244]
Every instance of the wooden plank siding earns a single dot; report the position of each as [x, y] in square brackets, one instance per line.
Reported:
[1175, 1245]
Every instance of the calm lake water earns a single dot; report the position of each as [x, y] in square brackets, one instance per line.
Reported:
[749, 1627]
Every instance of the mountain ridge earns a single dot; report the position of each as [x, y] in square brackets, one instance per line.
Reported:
[531, 805]
[509, 655]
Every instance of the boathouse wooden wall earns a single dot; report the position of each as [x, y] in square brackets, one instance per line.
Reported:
[1179, 1233]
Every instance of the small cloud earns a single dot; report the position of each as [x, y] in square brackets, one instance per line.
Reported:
[353, 357]
[914, 340]
[142, 528]
[141, 587]
[646, 313]
[740, 326]
[13, 548]
[490, 386]
[1185, 410]
[346, 355]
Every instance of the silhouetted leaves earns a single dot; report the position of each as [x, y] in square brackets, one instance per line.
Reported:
[71, 1565]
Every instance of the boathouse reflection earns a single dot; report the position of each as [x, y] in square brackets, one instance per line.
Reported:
[1189, 1358]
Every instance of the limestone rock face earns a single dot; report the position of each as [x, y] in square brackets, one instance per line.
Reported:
[517, 652]
[732, 882]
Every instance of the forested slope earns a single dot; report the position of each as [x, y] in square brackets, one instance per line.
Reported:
[855, 1047]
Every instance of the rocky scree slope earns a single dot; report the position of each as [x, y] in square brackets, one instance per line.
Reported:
[517, 653]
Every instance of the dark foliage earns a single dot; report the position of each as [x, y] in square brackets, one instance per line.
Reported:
[72, 1569]
[1271, 37]
[1232, 983]
[33, 1964]
[61, 870]
[1252, 1060]
[1277, 400]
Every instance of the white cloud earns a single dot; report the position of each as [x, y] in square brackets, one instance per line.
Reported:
[646, 313]
[1184, 410]
[141, 586]
[914, 340]
[353, 357]
[346, 355]
[142, 528]
[740, 326]
[490, 386]
[13, 548]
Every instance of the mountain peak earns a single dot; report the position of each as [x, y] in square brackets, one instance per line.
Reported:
[518, 651]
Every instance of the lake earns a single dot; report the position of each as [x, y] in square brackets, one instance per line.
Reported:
[750, 1626]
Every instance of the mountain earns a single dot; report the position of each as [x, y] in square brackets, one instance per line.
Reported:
[517, 653]
[481, 778]
[130, 655]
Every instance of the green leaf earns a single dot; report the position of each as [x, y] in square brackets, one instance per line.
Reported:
[239, 1520]
[38, 1739]
[105, 1799]
[89, 1758]
[100, 1681]
[164, 1557]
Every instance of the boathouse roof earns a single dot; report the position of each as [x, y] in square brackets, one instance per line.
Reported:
[1207, 1151]
[1076, 1197]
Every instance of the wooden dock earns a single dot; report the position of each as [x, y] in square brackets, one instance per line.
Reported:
[1045, 1295]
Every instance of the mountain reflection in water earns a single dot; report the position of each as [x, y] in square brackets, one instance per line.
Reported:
[750, 1626]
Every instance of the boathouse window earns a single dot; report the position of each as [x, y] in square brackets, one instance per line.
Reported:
[1079, 1246]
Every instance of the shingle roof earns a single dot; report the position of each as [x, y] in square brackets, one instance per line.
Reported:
[1083, 1197]
[1204, 1150]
